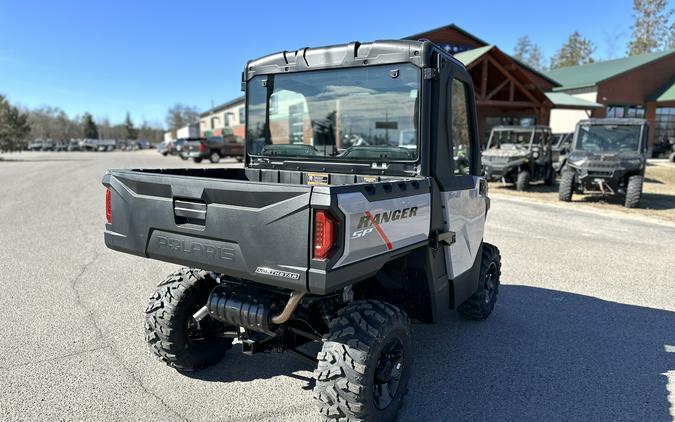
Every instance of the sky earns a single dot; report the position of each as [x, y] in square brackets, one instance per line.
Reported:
[141, 57]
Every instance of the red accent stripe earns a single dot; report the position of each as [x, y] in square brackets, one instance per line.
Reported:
[379, 230]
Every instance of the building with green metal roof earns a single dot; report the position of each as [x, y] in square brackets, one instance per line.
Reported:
[638, 86]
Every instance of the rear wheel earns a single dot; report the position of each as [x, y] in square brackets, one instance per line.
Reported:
[523, 181]
[197, 160]
[481, 304]
[566, 187]
[365, 363]
[173, 335]
[214, 157]
[633, 191]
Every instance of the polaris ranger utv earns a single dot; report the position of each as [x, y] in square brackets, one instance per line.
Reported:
[608, 156]
[318, 239]
[519, 155]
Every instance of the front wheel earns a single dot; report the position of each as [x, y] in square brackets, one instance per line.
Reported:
[173, 334]
[523, 181]
[364, 364]
[197, 160]
[634, 191]
[566, 187]
[480, 305]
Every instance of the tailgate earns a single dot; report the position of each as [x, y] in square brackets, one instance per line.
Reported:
[245, 229]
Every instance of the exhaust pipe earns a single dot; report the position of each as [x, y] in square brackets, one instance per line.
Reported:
[224, 305]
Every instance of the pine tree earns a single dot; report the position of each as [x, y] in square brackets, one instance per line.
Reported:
[650, 27]
[131, 131]
[14, 128]
[577, 50]
[89, 129]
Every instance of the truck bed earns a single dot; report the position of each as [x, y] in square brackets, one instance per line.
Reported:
[257, 224]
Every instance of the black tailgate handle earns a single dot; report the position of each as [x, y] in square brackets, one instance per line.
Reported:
[189, 211]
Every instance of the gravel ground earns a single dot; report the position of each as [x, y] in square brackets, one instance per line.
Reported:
[584, 328]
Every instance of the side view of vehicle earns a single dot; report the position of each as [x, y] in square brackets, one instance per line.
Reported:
[316, 241]
[215, 148]
[608, 156]
[519, 155]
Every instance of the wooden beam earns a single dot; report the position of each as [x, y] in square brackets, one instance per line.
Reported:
[512, 93]
[496, 90]
[518, 84]
[483, 83]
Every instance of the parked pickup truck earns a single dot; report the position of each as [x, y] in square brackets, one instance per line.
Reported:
[214, 148]
[317, 240]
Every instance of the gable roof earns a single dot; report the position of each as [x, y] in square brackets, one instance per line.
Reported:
[587, 75]
[470, 56]
[453, 27]
[567, 101]
[664, 93]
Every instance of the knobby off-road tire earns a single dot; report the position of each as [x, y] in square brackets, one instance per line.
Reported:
[523, 181]
[364, 364]
[173, 335]
[480, 305]
[633, 191]
[566, 187]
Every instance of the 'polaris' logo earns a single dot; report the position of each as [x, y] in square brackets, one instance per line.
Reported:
[193, 248]
[277, 273]
[385, 217]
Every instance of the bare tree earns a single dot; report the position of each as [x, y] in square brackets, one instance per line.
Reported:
[181, 115]
[529, 53]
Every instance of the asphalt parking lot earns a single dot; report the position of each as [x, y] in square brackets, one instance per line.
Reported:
[584, 328]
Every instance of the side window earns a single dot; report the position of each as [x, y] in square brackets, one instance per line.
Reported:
[461, 142]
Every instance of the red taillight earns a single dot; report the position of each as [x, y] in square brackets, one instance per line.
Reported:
[202, 147]
[108, 213]
[324, 226]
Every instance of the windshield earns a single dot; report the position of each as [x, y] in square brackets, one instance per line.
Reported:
[608, 138]
[510, 138]
[340, 114]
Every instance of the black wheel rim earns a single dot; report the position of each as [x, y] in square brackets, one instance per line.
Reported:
[490, 282]
[388, 373]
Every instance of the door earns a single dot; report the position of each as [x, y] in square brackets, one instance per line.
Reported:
[464, 195]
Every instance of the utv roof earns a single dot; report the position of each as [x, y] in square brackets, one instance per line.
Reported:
[614, 121]
[354, 54]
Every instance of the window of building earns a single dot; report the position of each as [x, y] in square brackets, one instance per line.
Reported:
[215, 121]
[664, 123]
[242, 115]
[461, 138]
[625, 111]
